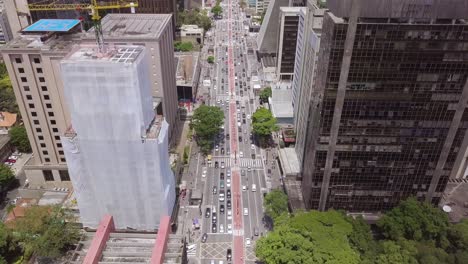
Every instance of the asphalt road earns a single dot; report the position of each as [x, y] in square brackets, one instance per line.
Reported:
[240, 169]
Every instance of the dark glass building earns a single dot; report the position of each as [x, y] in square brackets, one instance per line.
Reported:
[388, 116]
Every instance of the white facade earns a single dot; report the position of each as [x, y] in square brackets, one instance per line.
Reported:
[117, 150]
[298, 58]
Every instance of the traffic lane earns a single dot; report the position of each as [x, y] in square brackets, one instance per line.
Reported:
[246, 204]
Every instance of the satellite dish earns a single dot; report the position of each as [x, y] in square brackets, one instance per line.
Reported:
[447, 208]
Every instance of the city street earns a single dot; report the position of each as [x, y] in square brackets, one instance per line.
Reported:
[234, 179]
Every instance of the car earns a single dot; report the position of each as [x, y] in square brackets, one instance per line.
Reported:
[216, 148]
[204, 237]
[221, 175]
[204, 172]
[216, 164]
[241, 154]
[228, 204]
[222, 150]
[213, 228]
[243, 121]
[228, 193]
[243, 115]
[208, 212]
[229, 228]
[256, 231]
[12, 157]
[228, 183]
[246, 211]
[249, 168]
[221, 209]
[252, 146]
[229, 214]
[242, 172]
[240, 139]
[222, 164]
[248, 242]
[254, 188]
[244, 188]
[227, 136]
[228, 173]
[215, 190]
[229, 254]
[214, 219]
[221, 228]
[269, 171]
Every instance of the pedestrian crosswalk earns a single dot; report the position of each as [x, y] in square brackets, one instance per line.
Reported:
[243, 162]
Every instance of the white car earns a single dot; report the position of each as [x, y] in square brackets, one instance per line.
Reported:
[228, 183]
[217, 148]
[221, 228]
[244, 188]
[222, 127]
[248, 168]
[13, 157]
[229, 229]
[248, 242]
[204, 172]
[241, 154]
[246, 211]
[252, 146]
[248, 116]
[229, 215]
[228, 173]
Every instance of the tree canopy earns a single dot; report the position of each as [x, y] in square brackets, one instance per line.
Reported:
[193, 17]
[263, 122]
[206, 122]
[265, 94]
[183, 46]
[276, 203]
[6, 176]
[7, 96]
[217, 10]
[210, 59]
[19, 138]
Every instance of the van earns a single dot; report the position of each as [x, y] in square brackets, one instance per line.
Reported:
[254, 188]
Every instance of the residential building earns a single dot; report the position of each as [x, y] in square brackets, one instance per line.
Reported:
[7, 120]
[32, 60]
[287, 41]
[388, 116]
[305, 70]
[191, 33]
[117, 146]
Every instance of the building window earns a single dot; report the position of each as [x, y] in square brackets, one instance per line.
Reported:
[60, 152]
[44, 88]
[57, 137]
[48, 105]
[59, 145]
[55, 130]
[18, 60]
[41, 79]
[53, 122]
[37, 60]
[36, 122]
[21, 70]
[64, 176]
[62, 160]
[29, 97]
[43, 145]
[31, 105]
[48, 176]
[40, 137]
[46, 97]
[26, 88]
[46, 160]
[33, 113]
[45, 152]
[39, 70]
[38, 130]
[51, 114]
[23, 79]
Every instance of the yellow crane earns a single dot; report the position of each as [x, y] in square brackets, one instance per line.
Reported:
[93, 7]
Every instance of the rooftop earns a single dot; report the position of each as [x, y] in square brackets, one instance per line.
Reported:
[118, 54]
[132, 26]
[289, 162]
[52, 25]
[186, 63]
[281, 101]
[7, 119]
[269, 61]
[155, 127]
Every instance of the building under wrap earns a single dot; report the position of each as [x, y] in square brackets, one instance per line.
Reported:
[117, 147]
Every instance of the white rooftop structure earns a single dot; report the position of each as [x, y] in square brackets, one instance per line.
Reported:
[281, 105]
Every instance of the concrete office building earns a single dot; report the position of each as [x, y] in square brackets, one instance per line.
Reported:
[33, 66]
[18, 15]
[289, 33]
[267, 39]
[305, 70]
[388, 115]
[117, 145]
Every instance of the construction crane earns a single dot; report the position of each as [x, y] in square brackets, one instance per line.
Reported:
[93, 7]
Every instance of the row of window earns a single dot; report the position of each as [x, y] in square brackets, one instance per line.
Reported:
[48, 176]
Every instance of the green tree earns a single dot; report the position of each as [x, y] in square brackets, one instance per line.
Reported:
[47, 231]
[206, 122]
[265, 94]
[7, 96]
[414, 220]
[6, 176]
[217, 10]
[458, 235]
[362, 241]
[9, 249]
[312, 237]
[263, 122]
[276, 203]
[19, 138]
[210, 59]
[193, 17]
[392, 253]
[183, 46]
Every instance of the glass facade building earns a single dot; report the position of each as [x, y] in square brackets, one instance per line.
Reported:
[388, 116]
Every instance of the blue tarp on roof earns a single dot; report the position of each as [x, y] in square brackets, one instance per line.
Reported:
[52, 25]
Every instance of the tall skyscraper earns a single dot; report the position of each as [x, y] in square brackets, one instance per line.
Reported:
[33, 59]
[388, 114]
[117, 146]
